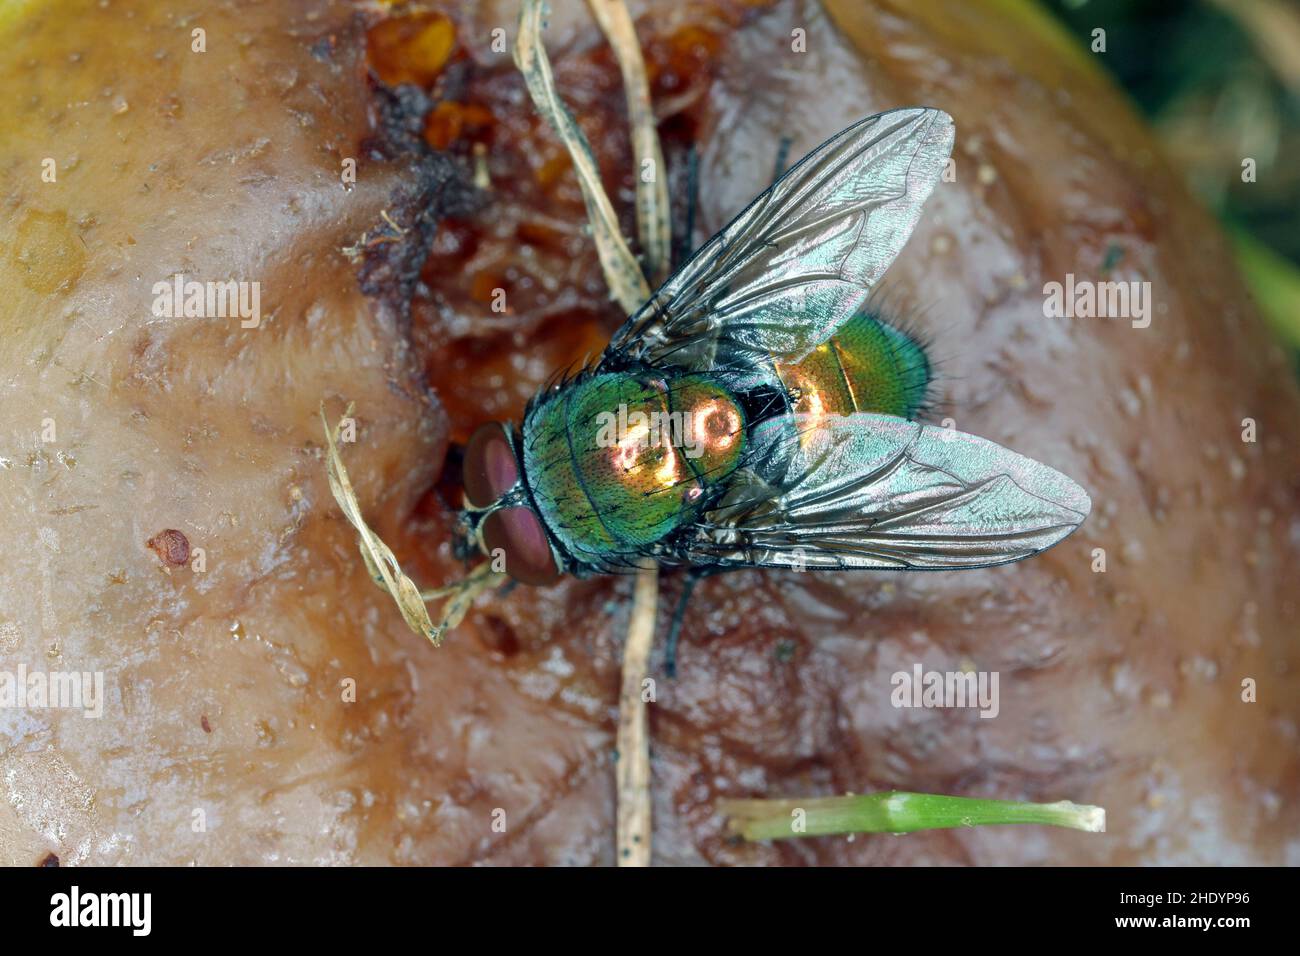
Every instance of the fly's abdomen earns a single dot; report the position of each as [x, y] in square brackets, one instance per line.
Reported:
[616, 461]
[866, 366]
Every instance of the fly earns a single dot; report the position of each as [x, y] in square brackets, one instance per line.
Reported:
[755, 412]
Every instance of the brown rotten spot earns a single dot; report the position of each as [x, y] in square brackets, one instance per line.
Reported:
[172, 546]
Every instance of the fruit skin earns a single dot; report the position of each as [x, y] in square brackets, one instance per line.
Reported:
[1120, 688]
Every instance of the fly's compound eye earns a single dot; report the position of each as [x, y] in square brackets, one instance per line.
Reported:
[490, 468]
[519, 535]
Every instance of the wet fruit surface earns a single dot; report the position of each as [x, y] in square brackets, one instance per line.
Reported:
[279, 692]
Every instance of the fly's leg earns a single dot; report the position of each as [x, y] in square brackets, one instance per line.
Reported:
[692, 201]
[684, 241]
[692, 577]
[459, 595]
[782, 155]
[675, 625]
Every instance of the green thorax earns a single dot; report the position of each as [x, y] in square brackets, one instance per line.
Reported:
[616, 461]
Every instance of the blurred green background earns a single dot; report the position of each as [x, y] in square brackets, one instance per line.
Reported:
[1220, 81]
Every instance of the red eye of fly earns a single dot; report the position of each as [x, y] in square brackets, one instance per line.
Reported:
[490, 469]
[519, 534]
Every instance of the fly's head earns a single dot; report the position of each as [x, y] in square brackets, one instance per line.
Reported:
[499, 519]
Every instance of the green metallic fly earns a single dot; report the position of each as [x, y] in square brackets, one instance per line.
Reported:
[756, 412]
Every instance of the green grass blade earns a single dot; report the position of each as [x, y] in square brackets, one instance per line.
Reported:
[896, 812]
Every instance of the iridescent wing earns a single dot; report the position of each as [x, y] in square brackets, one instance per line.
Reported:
[801, 258]
[874, 491]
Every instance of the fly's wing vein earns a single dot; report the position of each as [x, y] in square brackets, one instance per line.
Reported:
[801, 259]
[874, 491]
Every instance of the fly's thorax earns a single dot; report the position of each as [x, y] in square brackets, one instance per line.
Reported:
[712, 426]
[616, 461]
